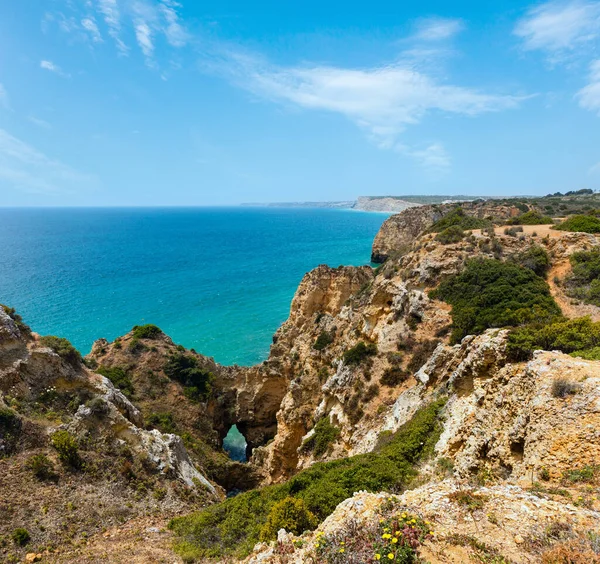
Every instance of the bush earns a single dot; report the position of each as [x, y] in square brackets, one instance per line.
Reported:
[10, 429]
[561, 388]
[41, 466]
[10, 311]
[512, 231]
[323, 340]
[583, 223]
[197, 383]
[531, 218]
[325, 434]
[148, 331]
[457, 217]
[164, 422]
[359, 352]
[394, 376]
[421, 354]
[490, 293]
[584, 281]
[119, 377]
[290, 514]
[535, 258]
[21, 536]
[572, 336]
[66, 447]
[62, 348]
[452, 234]
[233, 527]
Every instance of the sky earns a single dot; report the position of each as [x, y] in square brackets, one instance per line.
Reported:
[165, 102]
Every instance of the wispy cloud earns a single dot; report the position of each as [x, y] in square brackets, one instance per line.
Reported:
[143, 34]
[433, 158]
[39, 122]
[109, 9]
[438, 29]
[89, 24]
[50, 66]
[23, 167]
[4, 100]
[382, 101]
[560, 28]
[589, 96]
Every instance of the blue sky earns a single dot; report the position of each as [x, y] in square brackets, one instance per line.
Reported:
[164, 102]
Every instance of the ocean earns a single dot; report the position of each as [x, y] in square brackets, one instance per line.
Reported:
[219, 280]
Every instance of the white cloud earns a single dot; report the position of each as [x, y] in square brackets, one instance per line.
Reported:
[89, 24]
[25, 168]
[438, 29]
[174, 31]
[4, 100]
[143, 34]
[434, 157]
[39, 122]
[589, 96]
[50, 66]
[112, 17]
[559, 28]
[381, 100]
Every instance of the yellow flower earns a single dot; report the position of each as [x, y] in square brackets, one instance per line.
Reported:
[404, 516]
[386, 529]
[394, 540]
[431, 532]
[386, 536]
[381, 521]
[378, 557]
[341, 550]
[391, 555]
[342, 542]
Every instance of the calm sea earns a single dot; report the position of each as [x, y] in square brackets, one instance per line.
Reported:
[219, 280]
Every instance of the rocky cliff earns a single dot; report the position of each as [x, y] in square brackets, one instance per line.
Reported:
[513, 476]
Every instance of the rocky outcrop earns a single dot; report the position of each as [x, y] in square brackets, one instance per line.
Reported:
[399, 232]
[383, 204]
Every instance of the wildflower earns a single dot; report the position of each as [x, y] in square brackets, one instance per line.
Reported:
[386, 536]
[342, 542]
[391, 555]
[386, 529]
[381, 521]
[404, 516]
[378, 556]
[341, 550]
[394, 540]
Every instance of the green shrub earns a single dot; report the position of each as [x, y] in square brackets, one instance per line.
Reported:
[66, 447]
[119, 377]
[21, 536]
[531, 218]
[62, 348]
[233, 527]
[290, 514]
[452, 234]
[573, 336]
[457, 217]
[10, 429]
[563, 387]
[164, 422]
[197, 383]
[535, 258]
[421, 354]
[323, 340]
[10, 311]
[41, 466]
[584, 280]
[513, 231]
[325, 434]
[394, 376]
[584, 223]
[490, 293]
[148, 331]
[359, 352]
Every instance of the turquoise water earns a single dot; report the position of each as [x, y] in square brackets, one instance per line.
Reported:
[219, 280]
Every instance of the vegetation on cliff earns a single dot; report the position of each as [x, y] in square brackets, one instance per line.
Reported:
[578, 337]
[233, 527]
[583, 223]
[584, 281]
[491, 293]
[532, 217]
[458, 218]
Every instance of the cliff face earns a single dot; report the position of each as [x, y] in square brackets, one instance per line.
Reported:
[398, 233]
[113, 470]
